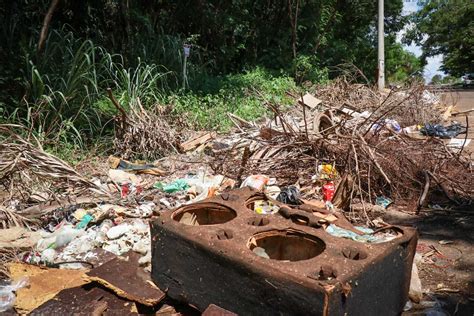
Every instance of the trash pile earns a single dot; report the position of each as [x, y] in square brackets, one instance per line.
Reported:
[377, 149]
[85, 238]
[342, 147]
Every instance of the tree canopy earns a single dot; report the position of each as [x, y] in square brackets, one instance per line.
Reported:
[446, 27]
[228, 35]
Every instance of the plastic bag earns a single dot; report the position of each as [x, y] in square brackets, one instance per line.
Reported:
[265, 207]
[383, 201]
[327, 171]
[176, 186]
[257, 182]
[7, 295]
[415, 292]
[389, 124]
[59, 238]
[289, 195]
[441, 131]
[206, 186]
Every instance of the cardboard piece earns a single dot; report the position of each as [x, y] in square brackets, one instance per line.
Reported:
[44, 284]
[310, 101]
[18, 237]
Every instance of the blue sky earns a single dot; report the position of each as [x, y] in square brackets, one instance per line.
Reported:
[432, 68]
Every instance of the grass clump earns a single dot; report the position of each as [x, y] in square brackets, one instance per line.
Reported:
[241, 94]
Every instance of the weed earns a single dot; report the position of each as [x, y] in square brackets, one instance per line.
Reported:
[236, 94]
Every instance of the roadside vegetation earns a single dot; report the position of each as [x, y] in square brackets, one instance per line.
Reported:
[55, 85]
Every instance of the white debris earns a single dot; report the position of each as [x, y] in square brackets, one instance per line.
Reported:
[416, 292]
[117, 231]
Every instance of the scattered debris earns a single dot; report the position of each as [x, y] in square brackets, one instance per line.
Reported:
[416, 292]
[25, 166]
[214, 310]
[44, 284]
[385, 163]
[7, 293]
[117, 163]
[257, 182]
[18, 238]
[441, 131]
[145, 133]
[383, 201]
[344, 150]
[310, 101]
[290, 195]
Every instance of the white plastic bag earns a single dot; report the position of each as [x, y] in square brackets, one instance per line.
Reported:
[7, 295]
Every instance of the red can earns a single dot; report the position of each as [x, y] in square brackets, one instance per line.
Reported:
[125, 190]
[328, 191]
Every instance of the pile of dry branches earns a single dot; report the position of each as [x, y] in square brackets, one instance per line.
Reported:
[26, 169]
[380, 163]
[410, 105]
[145, 134]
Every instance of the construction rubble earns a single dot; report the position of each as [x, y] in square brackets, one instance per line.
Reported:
[281, 215]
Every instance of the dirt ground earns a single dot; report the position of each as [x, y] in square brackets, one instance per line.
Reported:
[447, 276]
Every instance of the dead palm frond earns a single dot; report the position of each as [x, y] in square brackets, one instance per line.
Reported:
[24, 166]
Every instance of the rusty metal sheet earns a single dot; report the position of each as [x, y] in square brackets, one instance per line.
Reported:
[86, 300]
[127, 279]
[44, 284]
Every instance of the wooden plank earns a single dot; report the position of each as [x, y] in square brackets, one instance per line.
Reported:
[201, 138]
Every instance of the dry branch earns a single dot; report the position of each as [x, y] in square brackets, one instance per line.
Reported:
[25, 168]
[381, 161]
[146, 133]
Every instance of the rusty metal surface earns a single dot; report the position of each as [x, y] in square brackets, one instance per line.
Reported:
[127, 279]
[214, 310]
[310, 271]
[86, 300]
[97, 257]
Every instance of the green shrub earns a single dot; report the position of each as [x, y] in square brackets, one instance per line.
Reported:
[240, 94]
[307, 68]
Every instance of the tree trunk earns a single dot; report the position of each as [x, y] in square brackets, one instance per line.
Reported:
[294, 24]
[46, 22]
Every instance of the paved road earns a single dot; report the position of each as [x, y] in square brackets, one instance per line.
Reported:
[463, 100]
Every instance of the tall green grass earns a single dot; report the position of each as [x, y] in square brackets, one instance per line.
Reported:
[66, 85]
[65, 104]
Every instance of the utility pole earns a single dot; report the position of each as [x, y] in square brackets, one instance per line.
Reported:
[381, 49]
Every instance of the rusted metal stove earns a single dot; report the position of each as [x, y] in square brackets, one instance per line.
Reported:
[219, 251]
